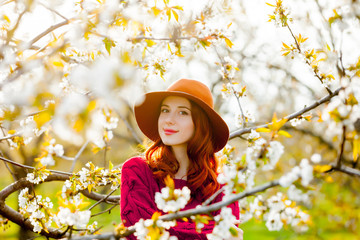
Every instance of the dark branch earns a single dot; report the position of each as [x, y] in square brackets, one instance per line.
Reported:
[325, 99]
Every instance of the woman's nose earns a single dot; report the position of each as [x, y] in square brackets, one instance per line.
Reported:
[170, 119]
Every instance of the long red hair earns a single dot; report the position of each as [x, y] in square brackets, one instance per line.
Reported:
[202, 172]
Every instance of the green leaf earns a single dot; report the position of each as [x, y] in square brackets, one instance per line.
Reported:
[108, 44]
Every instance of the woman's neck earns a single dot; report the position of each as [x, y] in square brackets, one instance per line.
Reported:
[182, 157]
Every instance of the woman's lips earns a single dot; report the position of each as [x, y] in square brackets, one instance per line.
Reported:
[169, 131]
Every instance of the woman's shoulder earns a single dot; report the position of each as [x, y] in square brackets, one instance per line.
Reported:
[137, 162]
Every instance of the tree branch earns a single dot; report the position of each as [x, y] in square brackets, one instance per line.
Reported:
[342, 145]
[346, 169]
[32, 168]
[238, 133]
[47, 31]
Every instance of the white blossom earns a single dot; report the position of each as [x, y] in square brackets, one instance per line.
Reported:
[274, 222]
[296, 121]
[275, 150]
[47, 161]
[181, 198]
[306, 172]
[36, 180]
[224, 221]
[78, 218]
[253, 134]
[297, 195]
[316, 158]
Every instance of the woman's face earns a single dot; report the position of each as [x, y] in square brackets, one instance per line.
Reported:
[175, 123]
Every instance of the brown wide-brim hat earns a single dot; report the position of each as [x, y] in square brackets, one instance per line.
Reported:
[148, 111]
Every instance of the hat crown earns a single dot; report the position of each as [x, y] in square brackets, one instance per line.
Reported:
[194, 88]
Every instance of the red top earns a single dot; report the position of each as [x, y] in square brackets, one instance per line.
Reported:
[138, 188]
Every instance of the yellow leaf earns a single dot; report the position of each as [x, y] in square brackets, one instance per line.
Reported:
[328, 47]
[322, 168]
[228, 42]
[175, 15]
[270, 5]
[89, 187]
[356, 149]
[149, 42]
[276, 124]
[284, 133]
[95, 149]
[329, 179]
[285, 53]
[110, 165]
[155, 11]
[169, 182]
[79, 124]
[41, 118]
[6, 18]
[156, 216]
[83, 204]
[168, 13]
[285, 46]
[11, 132]
[179, 8]
[263, 130]
[91, 106]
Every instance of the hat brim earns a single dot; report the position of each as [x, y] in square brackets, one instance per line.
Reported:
[147, 114]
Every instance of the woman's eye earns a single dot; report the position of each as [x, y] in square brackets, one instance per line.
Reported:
[183, 113]
[164, 110]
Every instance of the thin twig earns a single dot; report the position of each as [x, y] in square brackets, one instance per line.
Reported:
[347, 170]
[106, 210]
[296, 42]
[78, 155]
[53, 10]
[210, 199]
[307, 62]
[159, 39]
[102, 200]
[32, 168]
[129, 127]
[47, 31]
[243, 123]
[342, 145]
[11, 32]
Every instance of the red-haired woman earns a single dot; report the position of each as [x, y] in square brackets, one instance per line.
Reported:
[186, 132]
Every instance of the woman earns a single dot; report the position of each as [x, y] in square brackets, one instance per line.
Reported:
[186, 132]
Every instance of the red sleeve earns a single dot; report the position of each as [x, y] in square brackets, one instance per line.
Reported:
[137, 199]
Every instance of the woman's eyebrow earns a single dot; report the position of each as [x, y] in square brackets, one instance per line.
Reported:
[184, 107]
[164, 105]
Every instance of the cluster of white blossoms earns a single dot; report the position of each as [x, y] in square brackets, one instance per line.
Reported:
[284, 211]
[296, 121]
[343, 109]
[228, 70]
[36, 209]
[275, 150]
[51, 150]
[257, 207]
[70, 214]
[37, 177]
[90, 178]
[145, 227]
[172, 200]
[76, 218]
[102, 124]
[224, 221]
[304, 171]
[297, 195]
[232, 178]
